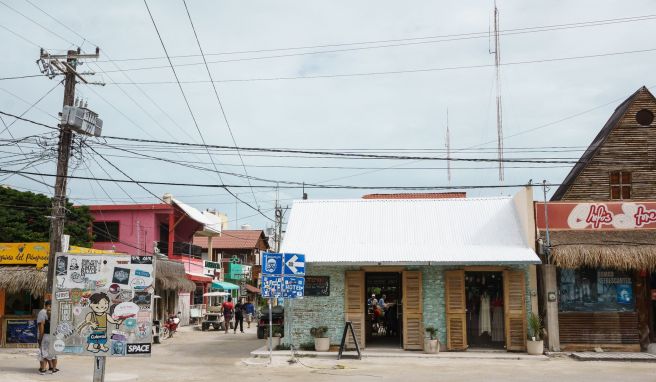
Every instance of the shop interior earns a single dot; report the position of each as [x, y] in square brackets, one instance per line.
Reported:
[383, 317]
[485, 321]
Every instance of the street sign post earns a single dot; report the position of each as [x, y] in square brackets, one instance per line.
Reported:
[282, 276]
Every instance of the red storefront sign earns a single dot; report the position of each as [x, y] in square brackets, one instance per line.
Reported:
[597, 216]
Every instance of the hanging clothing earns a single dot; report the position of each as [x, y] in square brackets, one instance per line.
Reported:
[497, 323]
[484, 324]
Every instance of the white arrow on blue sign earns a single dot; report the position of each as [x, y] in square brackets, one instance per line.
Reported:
[271, 263]
[294, 264]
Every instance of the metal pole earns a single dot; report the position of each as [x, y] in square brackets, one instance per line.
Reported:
[547, 248]
[99, 369]
[63, 154]
[270, 331]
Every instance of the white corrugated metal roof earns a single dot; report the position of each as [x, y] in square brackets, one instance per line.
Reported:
[439, 231]
[211, 223]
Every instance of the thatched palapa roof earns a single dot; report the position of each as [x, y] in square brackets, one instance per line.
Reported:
[17, 279]
[626, 250]
[171, 275]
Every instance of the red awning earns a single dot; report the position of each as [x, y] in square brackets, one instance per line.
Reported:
[198, 278]
[252, 289]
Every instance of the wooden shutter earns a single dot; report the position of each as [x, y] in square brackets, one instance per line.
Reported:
[514, 296]
[456, 310]
[354, 305]
[413, 328]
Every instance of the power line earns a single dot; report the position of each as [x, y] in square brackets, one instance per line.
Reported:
[191, 111]
[22, 77]
[218, 100]
[396, 42]
[308, 186]
[404, 71]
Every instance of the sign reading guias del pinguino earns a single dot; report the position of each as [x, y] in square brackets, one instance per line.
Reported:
[102, 304]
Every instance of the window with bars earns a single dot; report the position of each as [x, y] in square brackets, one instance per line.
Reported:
[620, 185]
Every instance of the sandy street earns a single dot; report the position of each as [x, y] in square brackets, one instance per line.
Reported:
[212, 356]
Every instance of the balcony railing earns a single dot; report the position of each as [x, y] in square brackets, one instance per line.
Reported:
[180, 248]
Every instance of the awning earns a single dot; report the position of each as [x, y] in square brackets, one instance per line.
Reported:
[199, 278]
[171, 275]
[224, 285]
[210, 224]
[216, 294]
[15, 279]
[619, 249]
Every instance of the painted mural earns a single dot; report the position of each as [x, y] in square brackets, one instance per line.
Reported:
[102, 305]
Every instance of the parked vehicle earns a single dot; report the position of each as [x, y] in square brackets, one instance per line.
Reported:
[170, 326]
[278, 320]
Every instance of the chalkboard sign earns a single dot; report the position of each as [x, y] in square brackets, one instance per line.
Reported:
[20, 331]
[317, 285]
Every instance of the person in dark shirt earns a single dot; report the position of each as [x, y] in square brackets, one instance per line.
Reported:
[239, 316]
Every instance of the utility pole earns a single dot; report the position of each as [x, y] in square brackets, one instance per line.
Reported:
[66, 65]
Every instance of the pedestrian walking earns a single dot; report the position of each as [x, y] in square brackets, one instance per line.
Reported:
[250, 312]
[228, 308]
[239, 316]
[46, 355]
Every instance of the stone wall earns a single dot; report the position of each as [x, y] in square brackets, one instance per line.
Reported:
[301, 315]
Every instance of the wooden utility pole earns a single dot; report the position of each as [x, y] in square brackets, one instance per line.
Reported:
[66, 65]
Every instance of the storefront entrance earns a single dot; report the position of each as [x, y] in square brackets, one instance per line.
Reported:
[482, 304]
[403, 289]
[384, 309]
[484, 294]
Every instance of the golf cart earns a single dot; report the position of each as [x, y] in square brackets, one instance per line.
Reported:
[213, 317]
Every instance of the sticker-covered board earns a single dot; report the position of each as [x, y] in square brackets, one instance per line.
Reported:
[102, 304]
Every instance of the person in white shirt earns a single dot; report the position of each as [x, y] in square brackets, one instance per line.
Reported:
[46, 356]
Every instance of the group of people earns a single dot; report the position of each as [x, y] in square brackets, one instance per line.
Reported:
[240, 310]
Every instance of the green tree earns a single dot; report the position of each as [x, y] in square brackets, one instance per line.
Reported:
[24, 217]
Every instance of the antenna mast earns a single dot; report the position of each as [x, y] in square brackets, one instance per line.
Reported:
[448, 148]
[497, 65]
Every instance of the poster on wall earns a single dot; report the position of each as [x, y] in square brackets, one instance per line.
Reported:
[102, 305]
[20, 332]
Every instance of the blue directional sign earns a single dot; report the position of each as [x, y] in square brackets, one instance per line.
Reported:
[294, 264]
[293, 287]
[272, 286]
[271, 263]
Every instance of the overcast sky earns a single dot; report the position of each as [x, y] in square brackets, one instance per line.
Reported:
[368, 89]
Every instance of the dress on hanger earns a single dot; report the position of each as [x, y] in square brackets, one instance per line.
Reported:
[484, 324]
[497, 320]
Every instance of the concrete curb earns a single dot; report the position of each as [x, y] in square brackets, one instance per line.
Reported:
[263, 352]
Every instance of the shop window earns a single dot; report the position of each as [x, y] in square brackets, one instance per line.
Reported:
[198, 295]
[620, 185]
[105, 231]
[595, 290]
[21, 304]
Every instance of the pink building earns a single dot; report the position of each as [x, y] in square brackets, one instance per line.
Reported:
[167, 228]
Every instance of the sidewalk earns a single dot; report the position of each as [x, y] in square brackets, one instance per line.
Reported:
[263, 352]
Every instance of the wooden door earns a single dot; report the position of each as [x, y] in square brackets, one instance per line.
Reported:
[514, 302]
[456, 310]
[355, 306]
[413, 307]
